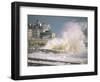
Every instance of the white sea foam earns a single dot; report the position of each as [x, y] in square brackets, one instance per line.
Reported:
[71, 40]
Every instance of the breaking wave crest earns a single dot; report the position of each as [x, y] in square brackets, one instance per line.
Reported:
[71, 40]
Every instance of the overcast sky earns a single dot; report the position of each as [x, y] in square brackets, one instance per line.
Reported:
[56, 22]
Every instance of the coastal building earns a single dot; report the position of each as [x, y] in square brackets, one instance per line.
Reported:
[39, 33]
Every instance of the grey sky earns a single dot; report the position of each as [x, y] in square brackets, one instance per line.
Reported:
[56, 22]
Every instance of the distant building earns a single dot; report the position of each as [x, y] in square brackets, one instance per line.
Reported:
[40, 30]
[39, 33]
[29, 34]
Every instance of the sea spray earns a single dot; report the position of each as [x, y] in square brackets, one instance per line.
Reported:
[71, 40]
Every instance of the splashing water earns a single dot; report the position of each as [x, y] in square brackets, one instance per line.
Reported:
[71, 40]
